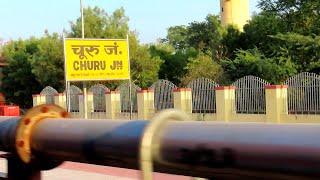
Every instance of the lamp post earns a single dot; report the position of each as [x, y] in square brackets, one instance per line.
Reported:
[82, 20]
[84, 83]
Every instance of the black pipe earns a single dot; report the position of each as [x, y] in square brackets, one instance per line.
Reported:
[8, 127]
[202, 149]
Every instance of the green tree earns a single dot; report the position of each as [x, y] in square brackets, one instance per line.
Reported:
[206, 36]
[47, 61]
[177, 37]
[144, 68]
[258, 31]
[98, 24]
[174, 63]
[202, 66]
[19, 83]
[253, 62]
[231, 42]
[303, 50]
[299, 16]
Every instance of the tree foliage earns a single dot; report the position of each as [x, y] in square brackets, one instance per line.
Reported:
[258, 31]
[144, 67]
[174, 63]
[177, 37]
[202, 66]
[276, 43]
[299, 16]
[206, 36]
[47, 61]
[303, 50]
[253, 62]
[98, 24]
[19, 83]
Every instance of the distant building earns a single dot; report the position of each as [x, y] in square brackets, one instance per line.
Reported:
[234, 12]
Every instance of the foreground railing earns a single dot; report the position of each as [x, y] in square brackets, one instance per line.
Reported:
[44, 138]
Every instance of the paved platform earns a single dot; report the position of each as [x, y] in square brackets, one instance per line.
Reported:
[72, 171]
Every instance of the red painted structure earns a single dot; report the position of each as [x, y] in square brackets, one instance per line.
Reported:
[8, 110]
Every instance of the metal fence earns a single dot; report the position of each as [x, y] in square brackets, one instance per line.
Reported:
[250, 95]
[49, 93]
[203, 95]
[74, 93]
[128, 105]
[163, 94]
[99, 99]
[304, 94]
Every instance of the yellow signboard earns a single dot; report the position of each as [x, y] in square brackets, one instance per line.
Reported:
[96, 59]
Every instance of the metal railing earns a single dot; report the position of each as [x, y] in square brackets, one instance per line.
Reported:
[163, 94]
[129, 107]
[203, 95]
[304, 94]
[250, 95]
[49, 93]
[74, 99]
[99, 100]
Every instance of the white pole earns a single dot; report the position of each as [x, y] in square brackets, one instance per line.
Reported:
[82, 19]
[130, 81]
[67, 83]
[85, 99]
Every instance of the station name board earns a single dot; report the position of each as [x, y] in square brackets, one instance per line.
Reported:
[96, 59]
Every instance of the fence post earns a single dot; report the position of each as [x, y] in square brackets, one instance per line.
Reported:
[225, 102]
[81, 105]
[43, 99]
[145, 99]
[276, 102]
[113, 104]
[183, 99]
[60, 100]
[36, 99]
[90, 105]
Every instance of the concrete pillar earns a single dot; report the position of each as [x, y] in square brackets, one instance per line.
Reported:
[43, 99]
[90, 108]
[36, 99]
[81, 104]
[225, 103]
[276, 102]
[182, 98]
[60, 100]
[145, 104]
[113, 104]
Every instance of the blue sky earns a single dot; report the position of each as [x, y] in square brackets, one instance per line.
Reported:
[150, 18]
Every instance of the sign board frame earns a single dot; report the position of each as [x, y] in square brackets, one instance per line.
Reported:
[96, 79]
[67, 82]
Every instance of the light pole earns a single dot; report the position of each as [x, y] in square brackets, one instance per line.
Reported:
[82, 19]
[84, 83]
